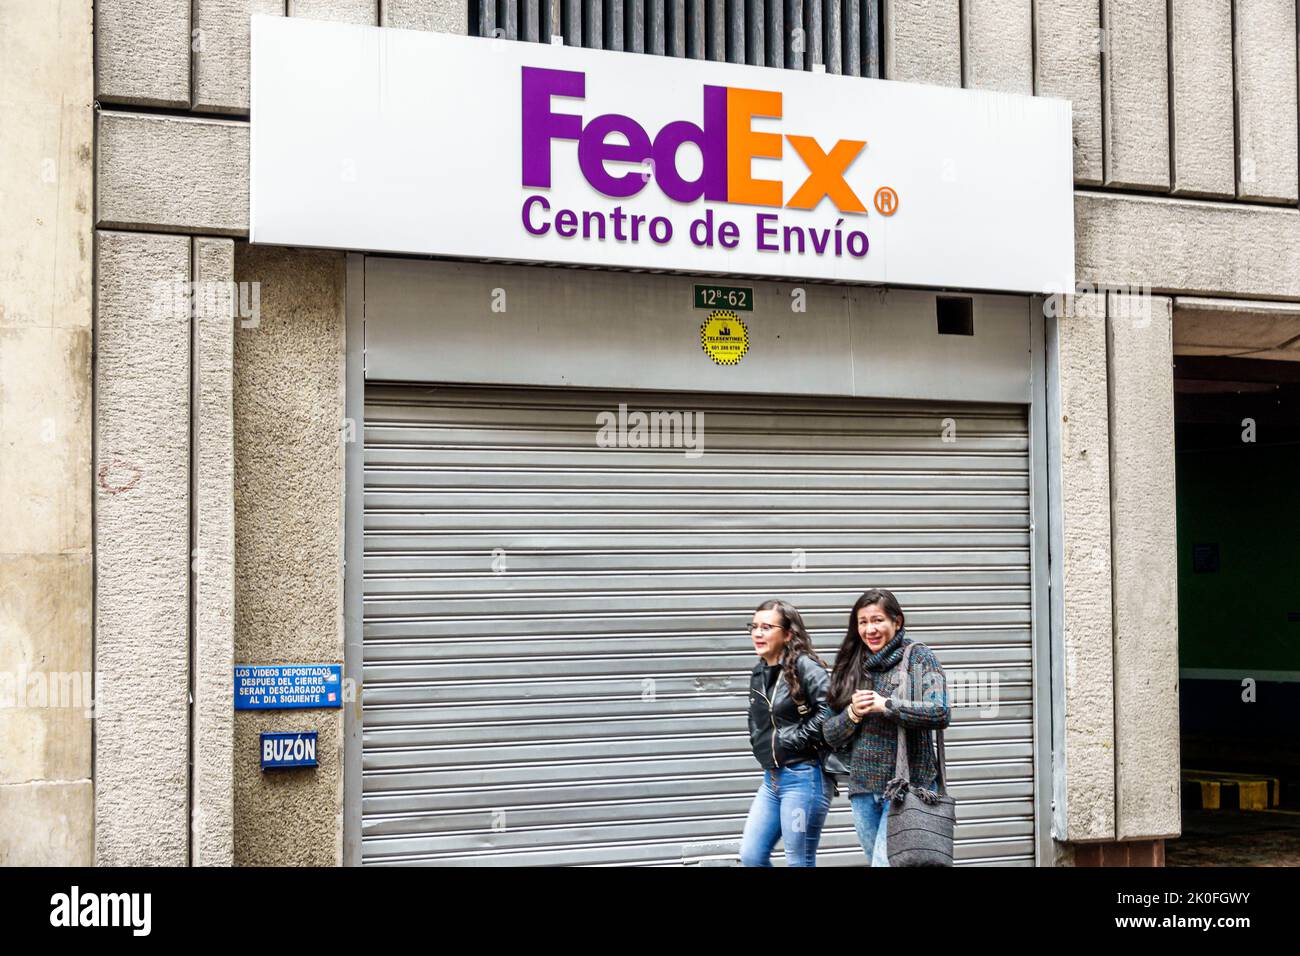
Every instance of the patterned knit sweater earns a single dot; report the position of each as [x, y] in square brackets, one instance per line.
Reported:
[875, 738]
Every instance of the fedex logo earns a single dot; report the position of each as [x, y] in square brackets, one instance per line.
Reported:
[725, 136]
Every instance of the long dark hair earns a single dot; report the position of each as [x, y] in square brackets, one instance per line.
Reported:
[848, 659]
[797, 642]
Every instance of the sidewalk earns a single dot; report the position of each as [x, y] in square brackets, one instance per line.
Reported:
[1237, 838]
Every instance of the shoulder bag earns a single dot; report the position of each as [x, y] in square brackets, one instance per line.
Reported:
[919, 826]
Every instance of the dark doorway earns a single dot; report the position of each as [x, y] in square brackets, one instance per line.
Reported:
[1238, 488]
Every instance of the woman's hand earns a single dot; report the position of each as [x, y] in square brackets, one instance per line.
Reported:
[867, 702]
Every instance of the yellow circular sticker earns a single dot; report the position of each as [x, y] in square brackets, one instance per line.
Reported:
[724, 337]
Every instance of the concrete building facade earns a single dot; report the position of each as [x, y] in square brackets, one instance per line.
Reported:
[185, 420]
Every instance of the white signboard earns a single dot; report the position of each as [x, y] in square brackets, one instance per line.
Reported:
[401, 141]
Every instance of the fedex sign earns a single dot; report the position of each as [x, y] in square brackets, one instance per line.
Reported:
[726, 143]
[724, 136]
[373, 139]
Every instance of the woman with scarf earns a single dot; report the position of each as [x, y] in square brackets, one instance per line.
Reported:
[868, 706]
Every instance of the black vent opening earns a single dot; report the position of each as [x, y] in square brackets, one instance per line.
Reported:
[956, 314]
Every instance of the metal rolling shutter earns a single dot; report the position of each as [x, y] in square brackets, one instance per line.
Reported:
[839, 36]
[584, 702]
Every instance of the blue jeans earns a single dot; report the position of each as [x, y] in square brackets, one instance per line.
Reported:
[870, 819]
[790, 806]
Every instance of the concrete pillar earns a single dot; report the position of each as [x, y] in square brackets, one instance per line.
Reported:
[1145, 565]
[212, 725]
[1200, 69]
[998, 45]
[220, 57]
[921, 40]
[1069, 37]
[1265, 53]
[1135, 93]
[442, 16]
[142, 549]
[1083, 668]
[289, 452]
[350, 11]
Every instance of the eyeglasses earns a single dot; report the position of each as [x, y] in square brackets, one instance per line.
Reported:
[764, 629]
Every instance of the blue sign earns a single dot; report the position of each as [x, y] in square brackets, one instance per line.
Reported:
[280, 686]
[296, 749]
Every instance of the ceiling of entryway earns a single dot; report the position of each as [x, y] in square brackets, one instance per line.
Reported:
[1237, 328]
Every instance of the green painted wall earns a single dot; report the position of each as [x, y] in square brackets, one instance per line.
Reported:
[1247, 500]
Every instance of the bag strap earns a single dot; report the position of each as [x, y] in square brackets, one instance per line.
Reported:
[902, 765]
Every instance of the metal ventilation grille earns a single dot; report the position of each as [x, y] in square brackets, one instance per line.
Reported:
[555, 665]
[841, 36]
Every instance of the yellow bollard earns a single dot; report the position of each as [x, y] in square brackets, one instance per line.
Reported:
[1209, 795]
[1252, 794]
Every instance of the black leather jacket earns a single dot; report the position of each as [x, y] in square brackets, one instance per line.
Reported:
[779, 734]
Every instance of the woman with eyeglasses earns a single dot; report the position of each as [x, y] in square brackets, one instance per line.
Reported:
[787, 694]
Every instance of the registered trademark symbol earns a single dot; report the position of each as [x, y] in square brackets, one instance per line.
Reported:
[886, 201]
